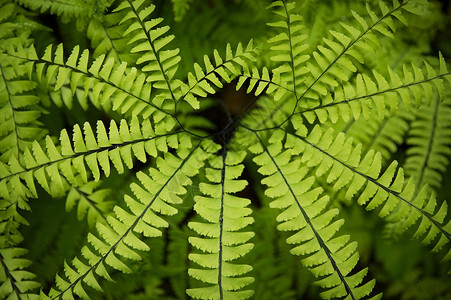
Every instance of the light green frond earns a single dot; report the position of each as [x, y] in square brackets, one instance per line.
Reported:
[125, 88]
[69, 166]
[118, 241]
[335, 158]
[329, 257]
[206, 81]
[221, 236]
[19, 110]
[260, 83]
[149, 40]
[417, 87]
[92, 154]
[288, 49]
[16, 283]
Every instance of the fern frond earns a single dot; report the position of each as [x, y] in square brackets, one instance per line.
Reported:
[156, 195]
[331, 258]
[288, 48]
[16, 282]
[125, 88]
[222, 239]
[19, 112]
[258, 83]
[427, 161]
[336, 158]
[87, 153]
[417, 87]
[106, 38]
[54, 167]
[159, 65]
[204, 81]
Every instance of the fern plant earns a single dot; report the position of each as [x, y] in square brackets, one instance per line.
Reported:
[187, 192]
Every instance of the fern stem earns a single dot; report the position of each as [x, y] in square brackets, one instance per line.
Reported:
[307, 219]
[221, 222]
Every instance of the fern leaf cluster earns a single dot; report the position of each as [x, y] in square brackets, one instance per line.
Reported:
[211, 199]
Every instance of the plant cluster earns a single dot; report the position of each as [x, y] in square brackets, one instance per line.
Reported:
[266, 150]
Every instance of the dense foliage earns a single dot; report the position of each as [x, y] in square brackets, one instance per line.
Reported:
[224, 149]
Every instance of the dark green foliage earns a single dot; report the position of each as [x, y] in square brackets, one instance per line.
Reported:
[224, 149]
